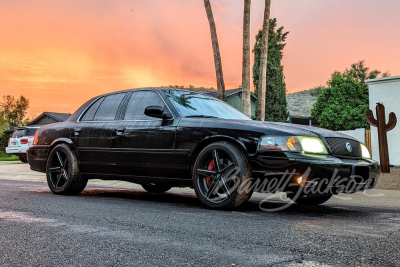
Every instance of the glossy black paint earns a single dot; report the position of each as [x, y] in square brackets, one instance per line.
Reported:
[163, 150]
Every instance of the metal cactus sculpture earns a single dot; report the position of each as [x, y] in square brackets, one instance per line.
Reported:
[383, 128]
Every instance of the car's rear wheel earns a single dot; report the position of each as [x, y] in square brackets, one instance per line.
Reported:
[63, 177]
[23, 158]
[222, 176]
[155, 188]
[310, 201]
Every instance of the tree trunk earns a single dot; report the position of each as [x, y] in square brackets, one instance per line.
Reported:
[246, 98]
[262, 82]
[217, 56]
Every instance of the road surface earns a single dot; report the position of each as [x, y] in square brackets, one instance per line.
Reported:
[115, 225]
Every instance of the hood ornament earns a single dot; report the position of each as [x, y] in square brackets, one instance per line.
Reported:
[349, 147]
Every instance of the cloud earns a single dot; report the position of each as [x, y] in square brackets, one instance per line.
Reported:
[85, 48]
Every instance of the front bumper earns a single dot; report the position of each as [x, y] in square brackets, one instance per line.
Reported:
[320, 175]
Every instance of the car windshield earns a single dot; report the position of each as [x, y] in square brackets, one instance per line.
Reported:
[191, 104]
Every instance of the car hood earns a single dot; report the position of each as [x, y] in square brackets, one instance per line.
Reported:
[315, 130]
[269, 128]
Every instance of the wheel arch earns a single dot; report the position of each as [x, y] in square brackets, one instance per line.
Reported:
[62, 140]
[213, 139]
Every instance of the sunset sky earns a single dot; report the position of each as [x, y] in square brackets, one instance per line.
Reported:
[61, 53]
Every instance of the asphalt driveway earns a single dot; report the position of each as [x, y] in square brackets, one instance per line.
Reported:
[119, 224]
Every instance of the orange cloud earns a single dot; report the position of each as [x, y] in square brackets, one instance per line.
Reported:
[61, 53]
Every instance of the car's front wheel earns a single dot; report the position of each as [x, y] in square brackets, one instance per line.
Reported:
[156, 188]
[62, 172]
[222, 176]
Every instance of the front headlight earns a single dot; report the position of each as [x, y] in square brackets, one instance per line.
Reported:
[312, 145]
[365, 152]
[301, 144]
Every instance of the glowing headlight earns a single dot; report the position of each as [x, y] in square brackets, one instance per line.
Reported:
[301, 144]
[312, 145]
[365, 152]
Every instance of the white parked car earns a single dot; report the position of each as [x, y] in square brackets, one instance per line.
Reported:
[20, 141]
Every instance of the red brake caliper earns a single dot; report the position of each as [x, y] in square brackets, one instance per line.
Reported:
[210, 168]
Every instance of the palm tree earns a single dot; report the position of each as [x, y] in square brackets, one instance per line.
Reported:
[262, 82]
[246, 104]
[217, 56]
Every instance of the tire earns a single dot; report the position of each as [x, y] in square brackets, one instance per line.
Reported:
[62, 171]
[310, 201]
[23, 159]
[156, 188]
[225, 185]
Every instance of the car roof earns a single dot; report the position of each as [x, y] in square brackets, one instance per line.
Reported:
[151, 88]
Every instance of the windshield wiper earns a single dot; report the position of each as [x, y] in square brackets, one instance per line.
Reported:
[200, 116]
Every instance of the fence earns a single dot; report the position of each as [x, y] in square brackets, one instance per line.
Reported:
[368, 140]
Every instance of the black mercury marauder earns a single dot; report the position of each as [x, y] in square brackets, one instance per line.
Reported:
[162, 138]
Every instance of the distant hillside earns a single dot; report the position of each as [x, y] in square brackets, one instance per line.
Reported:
[300, 103]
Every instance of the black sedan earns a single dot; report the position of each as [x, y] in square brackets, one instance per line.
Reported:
[162, 138]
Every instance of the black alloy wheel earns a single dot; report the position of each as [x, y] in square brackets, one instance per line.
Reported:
[63, 175]
[222, 176]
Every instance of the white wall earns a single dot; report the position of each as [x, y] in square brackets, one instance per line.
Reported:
[358, 134]
[386, 91]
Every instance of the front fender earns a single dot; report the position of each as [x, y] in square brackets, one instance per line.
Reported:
[216, 138]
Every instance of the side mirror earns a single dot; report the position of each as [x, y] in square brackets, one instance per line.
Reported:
[157, 112]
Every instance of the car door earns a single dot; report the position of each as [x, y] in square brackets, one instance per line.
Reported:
[92, 134]
[143, 145]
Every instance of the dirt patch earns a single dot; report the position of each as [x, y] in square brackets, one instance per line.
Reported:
[390, 181]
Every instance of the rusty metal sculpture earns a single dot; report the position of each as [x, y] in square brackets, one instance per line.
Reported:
[383, 128]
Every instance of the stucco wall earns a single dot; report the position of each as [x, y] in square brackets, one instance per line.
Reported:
[386, 91]
[358, 134]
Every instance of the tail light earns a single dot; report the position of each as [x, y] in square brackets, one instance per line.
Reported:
[9, 141]
[24, 141]
[35, 138]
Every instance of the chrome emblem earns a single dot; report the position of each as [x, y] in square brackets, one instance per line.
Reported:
[349, 147]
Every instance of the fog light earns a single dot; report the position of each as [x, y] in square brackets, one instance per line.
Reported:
[300, 180]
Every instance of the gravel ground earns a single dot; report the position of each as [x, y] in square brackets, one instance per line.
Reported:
[390, 180]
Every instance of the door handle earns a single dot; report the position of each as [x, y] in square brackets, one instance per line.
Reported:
[119, 131]
[77, 131]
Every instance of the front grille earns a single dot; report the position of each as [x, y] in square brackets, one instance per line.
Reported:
[338, 147]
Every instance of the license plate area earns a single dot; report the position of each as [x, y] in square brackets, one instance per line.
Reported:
[361, 174]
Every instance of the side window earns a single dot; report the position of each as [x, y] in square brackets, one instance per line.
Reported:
[139, 101]
[109, 107]
[89, 114]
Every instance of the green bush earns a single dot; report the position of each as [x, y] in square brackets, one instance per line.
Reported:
[7, 157]
[343, 105]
